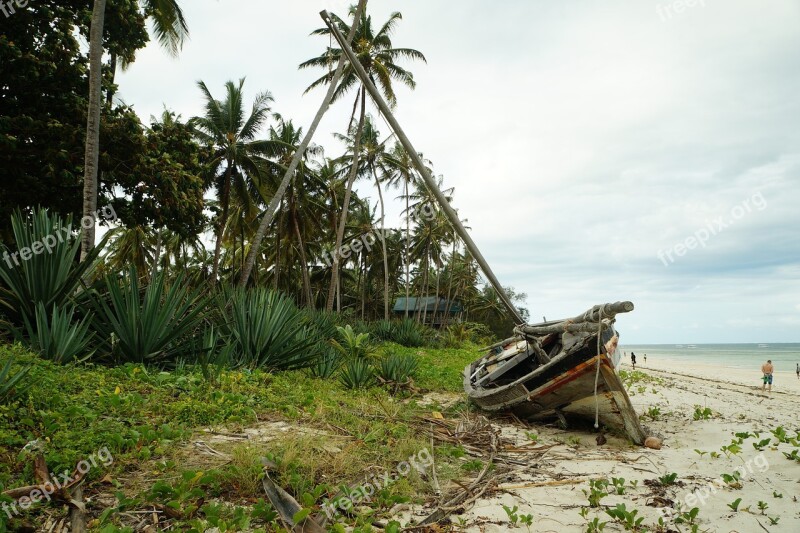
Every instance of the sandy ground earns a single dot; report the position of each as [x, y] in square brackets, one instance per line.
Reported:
[550, 485]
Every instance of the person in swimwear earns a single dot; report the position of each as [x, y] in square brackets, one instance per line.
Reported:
[767, 369]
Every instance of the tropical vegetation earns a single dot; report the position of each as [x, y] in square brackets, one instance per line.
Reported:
[195, 287]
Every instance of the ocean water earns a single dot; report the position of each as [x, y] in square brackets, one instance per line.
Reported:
[784, 356]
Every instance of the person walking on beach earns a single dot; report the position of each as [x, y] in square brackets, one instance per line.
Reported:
[798, 370]
[633, 360]
[767, 369]
[645, 358]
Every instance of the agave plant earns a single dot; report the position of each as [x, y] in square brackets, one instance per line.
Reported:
[383, 330]
[9, 385]
[327, 366]
[57, 337]
[268, 331]
[213, 354]
[44, 268]
[397, 369]
[151, 325]
[357, 374]
[409, 333]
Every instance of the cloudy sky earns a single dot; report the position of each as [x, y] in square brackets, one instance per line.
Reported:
[630, 150]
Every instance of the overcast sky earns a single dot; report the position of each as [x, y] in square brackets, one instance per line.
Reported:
[592, 145]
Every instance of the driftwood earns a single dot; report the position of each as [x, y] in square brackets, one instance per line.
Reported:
[288, 507]
[71, 493]
[77, 513]
[61, 494]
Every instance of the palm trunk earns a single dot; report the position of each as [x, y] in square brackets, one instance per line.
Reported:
[427, 271]
[226, 196]
[383, 247]
[156, 257]
[436, 306]
[112, 65]
[408, 247]
[92, 153]
[364, 280]
[448, 303]
[334, 288]
[269, 214]
[278, 251]
[303, 261]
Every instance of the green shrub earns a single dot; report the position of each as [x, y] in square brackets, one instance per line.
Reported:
[268, 331]
[357, 374]
[213, 354]
[149, 326]
[406, 332]
[49, 277]
[456, 335]
[11, 386]
[57, 337]
[327, 365]
[383, 330]
[409, 333]
[353, 345]
[397, 369]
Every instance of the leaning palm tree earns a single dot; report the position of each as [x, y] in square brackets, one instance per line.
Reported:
[379, 58]
[277, 198]
[171, 31]
[238, 159]
[304, 197]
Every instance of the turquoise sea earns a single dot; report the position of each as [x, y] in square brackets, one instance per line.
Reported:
[784, 356]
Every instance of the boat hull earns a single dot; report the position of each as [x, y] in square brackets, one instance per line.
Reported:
[583, 383]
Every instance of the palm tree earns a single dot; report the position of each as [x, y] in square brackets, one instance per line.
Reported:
[400, 170]
[304, 195]
[378, 57]
[277, 198]
[171, 31]
[372, 156]
[238, 160]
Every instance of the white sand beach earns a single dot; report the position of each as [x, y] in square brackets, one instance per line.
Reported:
[553, 484]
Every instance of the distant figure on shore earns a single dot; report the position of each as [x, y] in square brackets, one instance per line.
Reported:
[645, 358]
[767, 369]
[633, 360]
[798, 370]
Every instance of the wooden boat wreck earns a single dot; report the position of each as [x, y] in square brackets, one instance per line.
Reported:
[560, 368]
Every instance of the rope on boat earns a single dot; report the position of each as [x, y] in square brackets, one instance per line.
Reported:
[597, 372]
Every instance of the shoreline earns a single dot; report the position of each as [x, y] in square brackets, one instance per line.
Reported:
[783, 380]
[699, 415]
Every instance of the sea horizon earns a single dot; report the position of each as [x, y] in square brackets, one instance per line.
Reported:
[784, 355]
